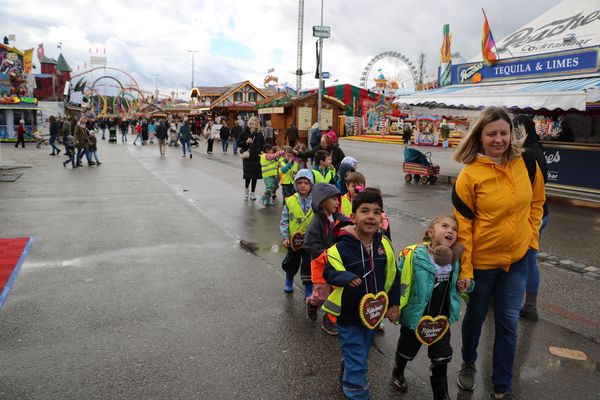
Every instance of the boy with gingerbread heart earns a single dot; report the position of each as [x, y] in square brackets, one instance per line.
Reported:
[362, 267]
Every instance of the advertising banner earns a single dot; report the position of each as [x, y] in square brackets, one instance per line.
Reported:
[573, 165]
[570, 62]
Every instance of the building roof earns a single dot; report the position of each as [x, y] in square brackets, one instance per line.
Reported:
[46, 60]
[61, 64]
[234, 88]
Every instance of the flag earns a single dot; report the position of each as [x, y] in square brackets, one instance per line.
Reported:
[487, 42]
[270, 70]
[27, 61]
[40, 51]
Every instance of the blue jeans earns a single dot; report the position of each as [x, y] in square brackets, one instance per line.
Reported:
[533, 275]
[508, 289]
[123, 137]
[355, 342]
[138, 137]
[225, 144]
[81, 152]
[185, 144]
[52, 143]
[235, 146]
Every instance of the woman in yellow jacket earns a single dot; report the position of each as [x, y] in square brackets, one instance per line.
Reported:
[498, 199]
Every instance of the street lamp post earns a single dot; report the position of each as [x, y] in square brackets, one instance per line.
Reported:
[156, 87]
[320, 69]
[193, 53]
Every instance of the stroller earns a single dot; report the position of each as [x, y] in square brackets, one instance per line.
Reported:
[112, 136]
[418, 166]
[194, 140]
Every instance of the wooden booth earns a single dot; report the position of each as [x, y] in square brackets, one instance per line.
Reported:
[283, 110]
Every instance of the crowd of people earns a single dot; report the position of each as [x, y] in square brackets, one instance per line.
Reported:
[337, 236]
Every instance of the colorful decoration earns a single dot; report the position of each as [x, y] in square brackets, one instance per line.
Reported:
[446, 55]
[487, 43]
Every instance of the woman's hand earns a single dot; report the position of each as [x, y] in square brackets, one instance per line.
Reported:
[463, 285]
[249, 141]
[286, 243]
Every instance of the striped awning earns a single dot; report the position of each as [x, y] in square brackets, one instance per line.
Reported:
[550, 95]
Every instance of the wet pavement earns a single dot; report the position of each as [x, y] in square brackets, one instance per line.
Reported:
[136, 287]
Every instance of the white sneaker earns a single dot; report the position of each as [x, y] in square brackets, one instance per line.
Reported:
[252, 196]
[246, 194]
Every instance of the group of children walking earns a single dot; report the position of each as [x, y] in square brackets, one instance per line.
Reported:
[340, 244]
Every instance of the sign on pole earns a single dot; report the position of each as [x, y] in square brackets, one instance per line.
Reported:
[325, 75]
[322, 32]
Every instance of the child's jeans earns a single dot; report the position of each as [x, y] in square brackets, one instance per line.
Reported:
[95, 155]
[355, 342]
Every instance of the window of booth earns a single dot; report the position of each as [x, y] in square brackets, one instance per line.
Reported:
[252, 96]
[571, 127]
[238, 97]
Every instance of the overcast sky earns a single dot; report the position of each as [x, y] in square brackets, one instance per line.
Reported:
[242, 39]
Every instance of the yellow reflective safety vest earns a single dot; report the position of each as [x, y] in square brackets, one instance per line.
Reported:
[327, 178]
[346, 205]
[287, 178]
[407, 273]
[269, 168]
[333, 304]
[299, 220]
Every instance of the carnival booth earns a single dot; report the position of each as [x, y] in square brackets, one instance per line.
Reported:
[550, 70]
[16, 102]
[284, 109]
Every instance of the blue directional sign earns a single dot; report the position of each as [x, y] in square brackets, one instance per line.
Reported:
[325, 75]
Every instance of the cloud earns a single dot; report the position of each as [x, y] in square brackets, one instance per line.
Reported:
[240, 39]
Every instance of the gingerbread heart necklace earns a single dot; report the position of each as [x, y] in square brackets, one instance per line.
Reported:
[431, 329]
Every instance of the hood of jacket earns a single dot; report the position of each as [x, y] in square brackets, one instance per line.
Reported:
[321, 192]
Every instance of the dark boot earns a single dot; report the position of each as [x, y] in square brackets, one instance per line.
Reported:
[439, 386]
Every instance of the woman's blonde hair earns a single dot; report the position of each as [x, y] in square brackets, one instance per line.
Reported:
[471, 144]
[254, 124]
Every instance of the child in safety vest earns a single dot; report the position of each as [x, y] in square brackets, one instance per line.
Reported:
[355, 183]
[268, 164]
[323, 170]
[288, 168]
[362, 267]
[319, 237]
[347, 166]
[295, 218]
[429, 302]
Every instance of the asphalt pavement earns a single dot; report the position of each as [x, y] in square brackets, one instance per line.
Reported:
[137, 287]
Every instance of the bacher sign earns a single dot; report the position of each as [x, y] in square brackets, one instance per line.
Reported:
[581, 61]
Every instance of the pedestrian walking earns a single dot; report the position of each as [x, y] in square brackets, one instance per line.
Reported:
[144, 132]
[69, 150]
[534, 149]
[431, 270]
[406, 134]
[138, 133]
[360, 264]
[151, 131]
[161, 135]
[498, 202]
[236, 131]
[173, 134]
[251, 141]
[291, 135]
[315, 135]
[269, 134]
[21, 134]
[224, 135]
[66, 131]
[295, 218]
[269, 163]
[210, 135]
[93, 147]
[102, 126]
[185, 137]
[123, 127]
[82, 142]
[53, 135]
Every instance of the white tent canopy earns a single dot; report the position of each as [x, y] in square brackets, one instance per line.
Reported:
[559, 94]
[568, 25]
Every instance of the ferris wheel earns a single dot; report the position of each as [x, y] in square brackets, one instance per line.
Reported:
[388, 72]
